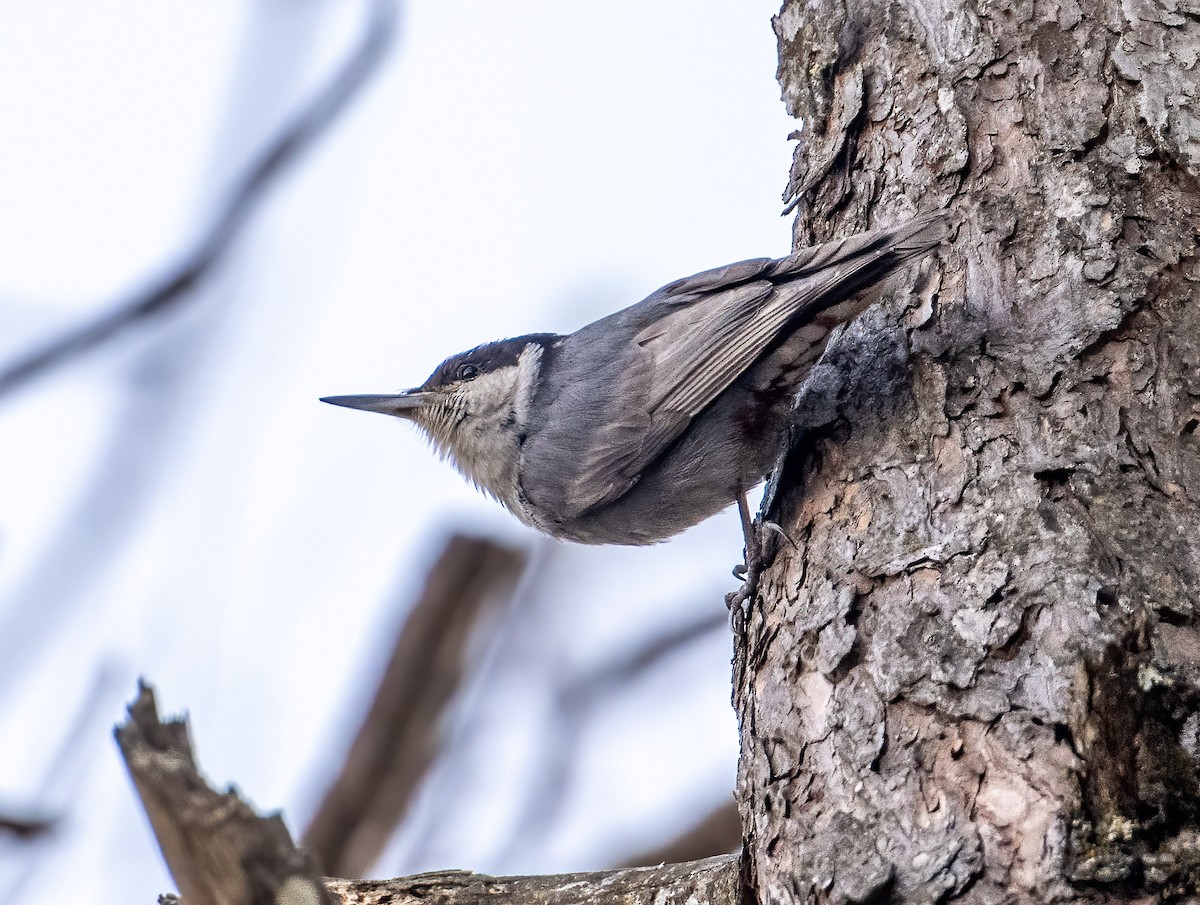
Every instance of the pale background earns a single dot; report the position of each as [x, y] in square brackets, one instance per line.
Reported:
[178, 505]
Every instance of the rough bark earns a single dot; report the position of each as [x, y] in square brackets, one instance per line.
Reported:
[219, 851]
[976, 676]
[713, 881]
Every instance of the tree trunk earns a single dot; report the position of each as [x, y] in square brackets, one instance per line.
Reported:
[976, 674]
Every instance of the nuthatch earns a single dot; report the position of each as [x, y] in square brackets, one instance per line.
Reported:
[652, 419]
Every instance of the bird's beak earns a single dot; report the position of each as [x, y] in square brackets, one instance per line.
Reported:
[401, 405]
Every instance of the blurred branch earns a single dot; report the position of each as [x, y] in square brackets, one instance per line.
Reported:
[429, 829]
[220, 852]
[53, 801]
[581, 697]
[400, 734]
[26, 829]
[632, 664]
[720, 831]
[247, 194]
[51, 798]
[217, 849]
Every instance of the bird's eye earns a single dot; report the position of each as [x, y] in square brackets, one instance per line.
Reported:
[468, 371]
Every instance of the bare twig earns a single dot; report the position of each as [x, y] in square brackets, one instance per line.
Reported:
[247, 194]
[26, 828]
[400, 734]
[218, 850]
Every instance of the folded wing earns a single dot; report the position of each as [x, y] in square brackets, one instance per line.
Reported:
[630, 400]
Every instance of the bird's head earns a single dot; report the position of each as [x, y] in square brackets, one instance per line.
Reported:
[472, 406]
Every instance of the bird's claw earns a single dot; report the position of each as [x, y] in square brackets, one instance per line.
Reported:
[778, 529]
[749, 571]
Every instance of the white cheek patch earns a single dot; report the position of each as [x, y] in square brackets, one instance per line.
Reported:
[489, 398]
[529, 365]
[477, 426]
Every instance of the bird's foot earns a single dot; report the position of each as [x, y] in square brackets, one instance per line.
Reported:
[751, 569]
[735, 601]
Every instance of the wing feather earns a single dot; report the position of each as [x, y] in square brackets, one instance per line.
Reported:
[693, 338]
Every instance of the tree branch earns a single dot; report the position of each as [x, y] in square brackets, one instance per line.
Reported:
[221, 853]
[218, 850]
[248, 193]
[713, 881]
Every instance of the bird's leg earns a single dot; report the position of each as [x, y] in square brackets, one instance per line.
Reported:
[752, 568]
[756, 537]
[750, 535]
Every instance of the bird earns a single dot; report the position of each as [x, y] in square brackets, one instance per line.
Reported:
[656, 417]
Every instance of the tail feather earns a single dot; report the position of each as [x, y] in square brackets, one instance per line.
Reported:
[874, 252]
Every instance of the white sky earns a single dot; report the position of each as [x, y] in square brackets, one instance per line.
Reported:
[517, 168]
